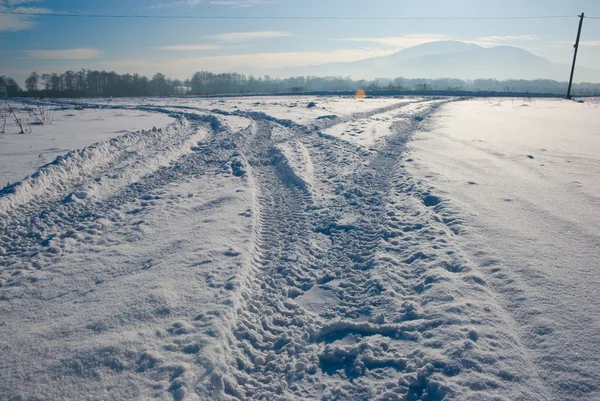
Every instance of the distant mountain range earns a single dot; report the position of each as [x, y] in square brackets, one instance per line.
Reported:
[443, 59]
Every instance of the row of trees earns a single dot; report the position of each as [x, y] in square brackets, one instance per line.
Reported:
[9, 87]
[208, 83]
[88, 83]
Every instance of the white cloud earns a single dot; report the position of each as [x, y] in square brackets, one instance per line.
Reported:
[509, 37]
[12, 23]
[230, 3]
[400, 42]
[16, 2]
[591, 43]
[281, 59]
[185, 67]
[570, 45]
[68, 54]
[177, 3]
[488, 41]
[18, 22]
[242, 3]
[186, 47]
[243, 36]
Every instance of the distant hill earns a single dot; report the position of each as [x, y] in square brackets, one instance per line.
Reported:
[444, 59]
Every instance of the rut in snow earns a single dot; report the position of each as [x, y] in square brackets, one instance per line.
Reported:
[356, 290]
[353, 287]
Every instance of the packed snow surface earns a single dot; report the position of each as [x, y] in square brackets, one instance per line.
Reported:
[526, 177]
[256, 248]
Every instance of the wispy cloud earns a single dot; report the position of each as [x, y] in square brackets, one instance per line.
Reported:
[399, 42]
[19, 22]
[186, 47]
[243, 3]
[588, 43]
[224, 37]
[17, 2]
[182, 67]
[593, 43]
[244, 36]
[178, 3]
[230, 3]
[68, 54]
[488, 41]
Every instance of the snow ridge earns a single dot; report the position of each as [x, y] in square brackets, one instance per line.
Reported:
[69, 171]
[294, 167]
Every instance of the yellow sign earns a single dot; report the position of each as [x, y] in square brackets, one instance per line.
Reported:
[360, 94]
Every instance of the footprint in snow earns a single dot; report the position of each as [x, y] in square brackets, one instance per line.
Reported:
[431, 200]
[231, 253]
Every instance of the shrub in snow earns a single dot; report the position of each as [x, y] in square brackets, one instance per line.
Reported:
[18, 121]
[40, 114]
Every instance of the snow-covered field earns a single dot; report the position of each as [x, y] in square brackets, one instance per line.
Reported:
[70, 129]
[525, 177]
[258, 249]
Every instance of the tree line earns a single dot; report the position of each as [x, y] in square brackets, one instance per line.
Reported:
[89, 83]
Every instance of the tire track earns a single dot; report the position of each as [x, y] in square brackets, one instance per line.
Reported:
[359, 292]
[353, 289]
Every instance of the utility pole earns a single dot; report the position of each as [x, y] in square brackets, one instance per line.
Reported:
[575, 55]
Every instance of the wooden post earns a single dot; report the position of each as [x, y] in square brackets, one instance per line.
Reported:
[575, 55]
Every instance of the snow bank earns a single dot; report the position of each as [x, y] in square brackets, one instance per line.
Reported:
[70, 129]
[73, 169]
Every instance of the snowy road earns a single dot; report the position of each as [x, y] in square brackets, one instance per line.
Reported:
[257, 249]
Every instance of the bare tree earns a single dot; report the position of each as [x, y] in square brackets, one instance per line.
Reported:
[70, 80]
[12, 88]
[47, 78]
[55, 82]
[159, 84]
[31, 83]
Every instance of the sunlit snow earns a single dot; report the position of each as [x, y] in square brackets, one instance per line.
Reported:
[256, 248]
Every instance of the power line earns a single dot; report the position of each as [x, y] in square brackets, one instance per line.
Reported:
[277, 17]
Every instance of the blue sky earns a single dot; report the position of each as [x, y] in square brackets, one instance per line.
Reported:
[180, 47]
